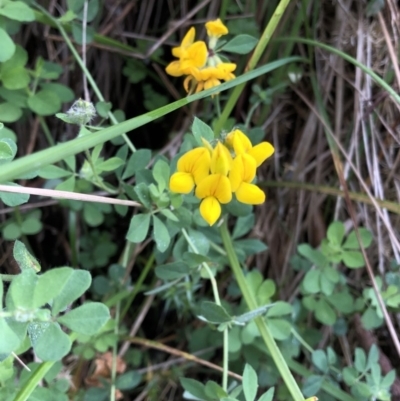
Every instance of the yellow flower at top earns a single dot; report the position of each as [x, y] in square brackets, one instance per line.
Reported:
[202, 65]
[215, 29]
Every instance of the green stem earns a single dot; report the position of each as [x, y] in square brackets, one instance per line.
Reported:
[37, 376]
[88, 75]
[225, 362]
[258, 51]
[138, 284]
[115, 353]
[262, 326]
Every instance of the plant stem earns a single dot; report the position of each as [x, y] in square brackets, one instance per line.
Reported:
[262, 326]
[258, 51]
[225, 362]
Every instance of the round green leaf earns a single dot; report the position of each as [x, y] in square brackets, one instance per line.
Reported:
[17, 78]
[353, 259]
[214, 313]
[52, 344]
[7, 47]
[11, 231]
[8, 112]
[9, 341]
[31, 226]
[17, 10]
[63, 92]
[44, 103]
[335, 233]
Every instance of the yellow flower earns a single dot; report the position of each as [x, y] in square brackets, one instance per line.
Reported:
[186, 42]
[192, 168]
[221, 160]
[241, 175]
[208, 77]
[241, 144]
[216, 28]
[213, 190]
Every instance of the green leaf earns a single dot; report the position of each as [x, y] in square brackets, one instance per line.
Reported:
[103, 108]
[67, 185]
[214, 313]
[268, 396]
[138, 161]
[92, 214]
[320, 360]
[243, 225]
[335, 233]
[353, 259]
[51, 172]
[22, 289]
[7, 133]
[13, 199]
[279, 308]
[72, 287]
[7, 47]
[324, 313]
[138, 228]
[161, 234]
[241, 44]
[352, 241]
[311, 281]
[313, 255]
[265, 292]
[128, 380]
[52, 344]
[312, 385]
[44, 103]
[342, 302]
[17, 78]
[31, 226]
[371, 320]
[202, 130]
[110, 165]
[17, 10]
[11, 231]
[249, 383]
[50, 284]
[86, 319]
[350, 375]
[161, 172]
[214, 390]
[9, 341]
[9, 112]
[360, 360]
[172, 271]
[194, 387]
[64, 93]
[388, 380]
[280, 328]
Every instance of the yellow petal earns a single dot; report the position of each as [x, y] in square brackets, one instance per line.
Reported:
[221, 160]
[261, 152]
[238, 141]
[186, 42]
[215, 185]
[195, 56]
[197, 158]
[187, 82]
[216, 28]
[211, 83]
[181, 183]
[174, 69]
[243, 170]
[250, 194]
[210, 209]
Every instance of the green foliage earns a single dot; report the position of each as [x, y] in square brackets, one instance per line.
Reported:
[35, 306]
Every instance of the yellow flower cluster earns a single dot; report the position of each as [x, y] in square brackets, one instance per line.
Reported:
[201, 65]
[216, 173]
